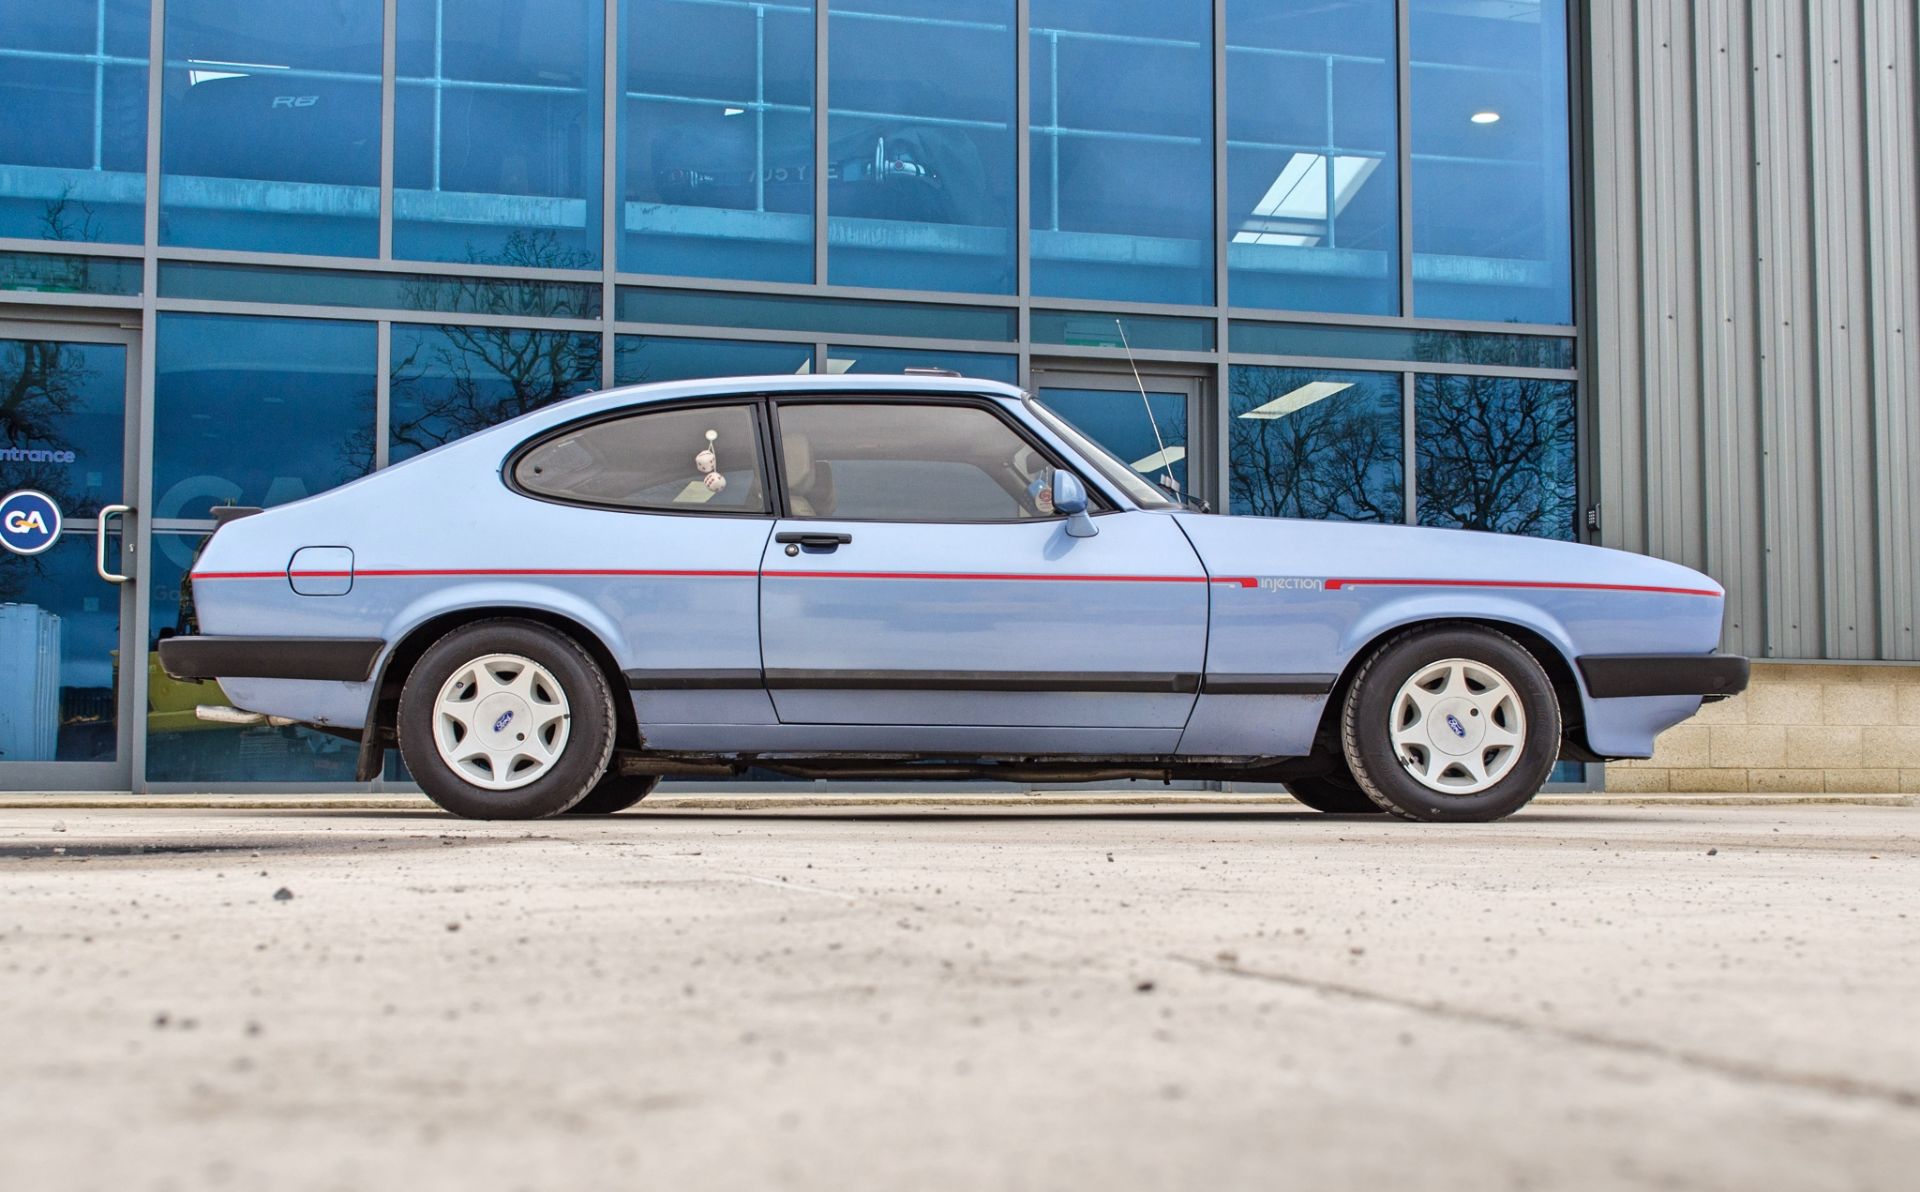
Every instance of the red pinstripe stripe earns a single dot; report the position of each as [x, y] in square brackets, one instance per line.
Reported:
[1334, 585]
[378, 573]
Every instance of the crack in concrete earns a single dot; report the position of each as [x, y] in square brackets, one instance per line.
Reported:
[1740, 1070]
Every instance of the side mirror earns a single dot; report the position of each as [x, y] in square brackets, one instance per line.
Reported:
[1070, 498]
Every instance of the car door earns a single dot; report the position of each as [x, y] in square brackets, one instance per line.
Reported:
[919, 576]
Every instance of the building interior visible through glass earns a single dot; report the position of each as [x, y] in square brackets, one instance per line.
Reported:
[1374, 321]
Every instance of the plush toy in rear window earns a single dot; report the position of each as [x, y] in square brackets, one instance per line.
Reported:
[707, 463]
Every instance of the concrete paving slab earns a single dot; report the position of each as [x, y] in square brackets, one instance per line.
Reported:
[1019, 997]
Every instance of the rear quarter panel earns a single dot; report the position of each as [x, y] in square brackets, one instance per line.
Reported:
[443, 533]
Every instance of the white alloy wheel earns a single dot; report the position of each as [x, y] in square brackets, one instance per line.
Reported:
[1457, 726]
[501, 721]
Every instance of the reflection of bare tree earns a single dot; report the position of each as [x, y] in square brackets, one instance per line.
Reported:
[451, 380]
[1337, 458]
[65, 219]
[41, 383]
[1496, 453]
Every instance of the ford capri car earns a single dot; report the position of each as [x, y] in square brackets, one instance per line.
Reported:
[906, 577]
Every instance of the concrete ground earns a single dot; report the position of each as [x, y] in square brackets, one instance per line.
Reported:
[1583, 996]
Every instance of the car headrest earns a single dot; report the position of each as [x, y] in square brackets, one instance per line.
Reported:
[799, 461]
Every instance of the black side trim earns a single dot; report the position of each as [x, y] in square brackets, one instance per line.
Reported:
[1267, 684]
[693, 680]
[1614, 676]
[348, 660]
[878, 680]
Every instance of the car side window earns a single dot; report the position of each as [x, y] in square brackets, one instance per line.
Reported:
[700, 460]
[898, 461]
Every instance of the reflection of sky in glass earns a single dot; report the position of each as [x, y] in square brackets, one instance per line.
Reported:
[893, 361]
[1117, 420]
[254, 411]
[641, 358]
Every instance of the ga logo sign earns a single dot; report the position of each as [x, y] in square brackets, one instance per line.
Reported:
[29, 522]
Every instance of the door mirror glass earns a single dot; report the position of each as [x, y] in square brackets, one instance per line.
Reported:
[1070, 498]
[1069, 495]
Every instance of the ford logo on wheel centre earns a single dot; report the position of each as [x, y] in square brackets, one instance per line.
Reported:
[1453, 722]
[501, 724]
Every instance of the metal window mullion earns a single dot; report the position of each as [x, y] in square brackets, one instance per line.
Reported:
[382, 392]
[820, 14]
[1410, 512]
[1404, 86]
[1023, 187]
[613, 207]
[439, 73]
[135, 486]
[390, 22]
[1217, 484]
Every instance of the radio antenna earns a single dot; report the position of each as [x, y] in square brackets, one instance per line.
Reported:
[1166, 465]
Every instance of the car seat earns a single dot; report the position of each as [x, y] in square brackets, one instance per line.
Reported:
[809, 481]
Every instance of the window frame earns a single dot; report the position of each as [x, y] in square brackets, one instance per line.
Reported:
[1096, 500]
[510, 466]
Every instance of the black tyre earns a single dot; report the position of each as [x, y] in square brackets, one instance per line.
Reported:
[1337, 794]
[1451, 723]
[615, 793]
[506, 719]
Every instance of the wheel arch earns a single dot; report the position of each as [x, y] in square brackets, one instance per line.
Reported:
[383, 704]
[1550, 655]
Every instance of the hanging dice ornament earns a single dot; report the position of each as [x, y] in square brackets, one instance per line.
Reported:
[714, 481]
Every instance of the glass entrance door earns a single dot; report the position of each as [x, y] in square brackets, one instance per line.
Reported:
[66, 596]
[1151, 435]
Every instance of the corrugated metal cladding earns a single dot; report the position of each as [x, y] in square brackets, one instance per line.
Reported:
[1755, 342]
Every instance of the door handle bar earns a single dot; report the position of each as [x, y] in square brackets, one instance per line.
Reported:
[814, 538]
[100, 542]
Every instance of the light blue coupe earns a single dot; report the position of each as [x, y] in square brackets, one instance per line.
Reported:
[917, 577]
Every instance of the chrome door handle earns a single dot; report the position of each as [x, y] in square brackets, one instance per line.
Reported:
[100, 542]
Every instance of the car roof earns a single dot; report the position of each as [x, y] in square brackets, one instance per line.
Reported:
[865, 384]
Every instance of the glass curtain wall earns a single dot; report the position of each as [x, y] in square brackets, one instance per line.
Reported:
[1375, 303]
[1313, 202]
[73, 143]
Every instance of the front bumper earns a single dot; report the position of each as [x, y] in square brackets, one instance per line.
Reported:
[347, 660]
[1617, 676]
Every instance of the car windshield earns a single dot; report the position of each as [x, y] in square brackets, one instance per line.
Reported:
[1142, 492]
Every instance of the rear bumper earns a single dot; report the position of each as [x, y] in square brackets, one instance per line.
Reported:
[347, 660]
[1616, 676]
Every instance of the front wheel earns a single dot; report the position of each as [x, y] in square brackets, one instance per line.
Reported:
[506, 719]
[1451, 723]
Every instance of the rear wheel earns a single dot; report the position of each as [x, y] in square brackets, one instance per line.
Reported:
[1336, 793]
[1451, 723]
[506, 719]
[615, 792]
